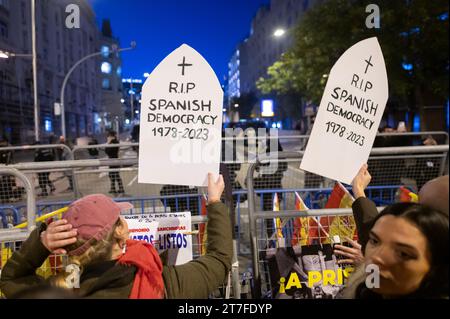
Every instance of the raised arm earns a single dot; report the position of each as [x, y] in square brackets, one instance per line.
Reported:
[364, 210]
[200, 277]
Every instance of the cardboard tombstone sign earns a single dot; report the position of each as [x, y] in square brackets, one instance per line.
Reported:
[181, 121]
[350, 112]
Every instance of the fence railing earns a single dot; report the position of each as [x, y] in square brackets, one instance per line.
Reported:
[288, 142]
[16, 234]
[390, 168]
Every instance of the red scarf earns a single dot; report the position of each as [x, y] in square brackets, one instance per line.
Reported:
[148, 282]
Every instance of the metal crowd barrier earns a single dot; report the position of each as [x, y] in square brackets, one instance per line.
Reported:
[31, 149]
[6, 234]
[249, 137]
[83, 151]
[390, 168]
[56, 263]
[420, 163]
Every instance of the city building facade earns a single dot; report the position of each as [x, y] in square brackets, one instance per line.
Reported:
[271, 35]
[59, 46]
[111, 116]
[131, 101]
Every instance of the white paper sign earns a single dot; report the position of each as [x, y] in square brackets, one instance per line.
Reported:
[349, 114]
[166, 231]
[181, 121]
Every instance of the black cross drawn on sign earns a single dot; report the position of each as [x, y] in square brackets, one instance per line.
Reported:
[183, 65]
[368, 63]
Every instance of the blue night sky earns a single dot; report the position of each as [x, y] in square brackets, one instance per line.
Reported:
[212, 27]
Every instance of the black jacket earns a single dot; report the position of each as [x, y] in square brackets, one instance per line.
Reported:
[113, 152]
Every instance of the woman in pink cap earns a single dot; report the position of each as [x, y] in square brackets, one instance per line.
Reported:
[109, 264]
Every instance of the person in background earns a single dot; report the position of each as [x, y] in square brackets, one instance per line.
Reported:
[113, 152]
[63, 155]
[5, 156]
[93, 152]
[44, 155]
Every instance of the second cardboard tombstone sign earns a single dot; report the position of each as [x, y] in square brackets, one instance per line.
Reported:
[349, 114]
[181, 121]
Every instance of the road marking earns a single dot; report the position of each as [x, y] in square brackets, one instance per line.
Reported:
[132, 181]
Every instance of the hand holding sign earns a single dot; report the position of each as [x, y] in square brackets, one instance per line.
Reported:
[181, 121]
[215, 188]
[352, 105]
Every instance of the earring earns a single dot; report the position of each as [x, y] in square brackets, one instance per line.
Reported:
[124, 248]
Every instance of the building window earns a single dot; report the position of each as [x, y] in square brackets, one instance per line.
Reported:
[45, 32]
[48, 125]
[105, 51]
[106, 67]
[3, 30]
[106, 84]
[25, 40]
[4, 3]
[23, 10]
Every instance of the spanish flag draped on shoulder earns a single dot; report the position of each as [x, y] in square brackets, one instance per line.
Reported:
[342, 226]
[300, 234]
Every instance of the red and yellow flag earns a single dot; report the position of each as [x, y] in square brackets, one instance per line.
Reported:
[300, 234]
[277, 221]
[406, 196]
[343, 226]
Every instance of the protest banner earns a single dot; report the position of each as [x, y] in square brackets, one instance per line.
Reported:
[165, 231]
[181, 121]
[350, 112]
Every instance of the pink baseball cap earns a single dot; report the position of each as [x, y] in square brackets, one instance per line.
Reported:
[93, 216]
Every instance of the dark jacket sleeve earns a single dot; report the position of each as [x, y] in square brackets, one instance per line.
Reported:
[20, 270]
[364, 212]
[200, 277]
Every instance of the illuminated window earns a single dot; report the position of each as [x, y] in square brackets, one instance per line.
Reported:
[106, 84]
[119, 71]
[105, 51]
[267, 108]
[106, 67]
[416, 123]
[48, 125]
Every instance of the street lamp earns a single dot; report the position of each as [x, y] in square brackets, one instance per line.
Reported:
[7, 55]
[279, 33]
[131, 93]
[66, 79]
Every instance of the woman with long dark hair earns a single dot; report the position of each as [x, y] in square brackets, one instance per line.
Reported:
[408, 244]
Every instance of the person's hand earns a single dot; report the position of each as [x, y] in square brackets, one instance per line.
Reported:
[429, 141]
[360, 182]
[58, 235]
[215, 188]
[353, 254]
